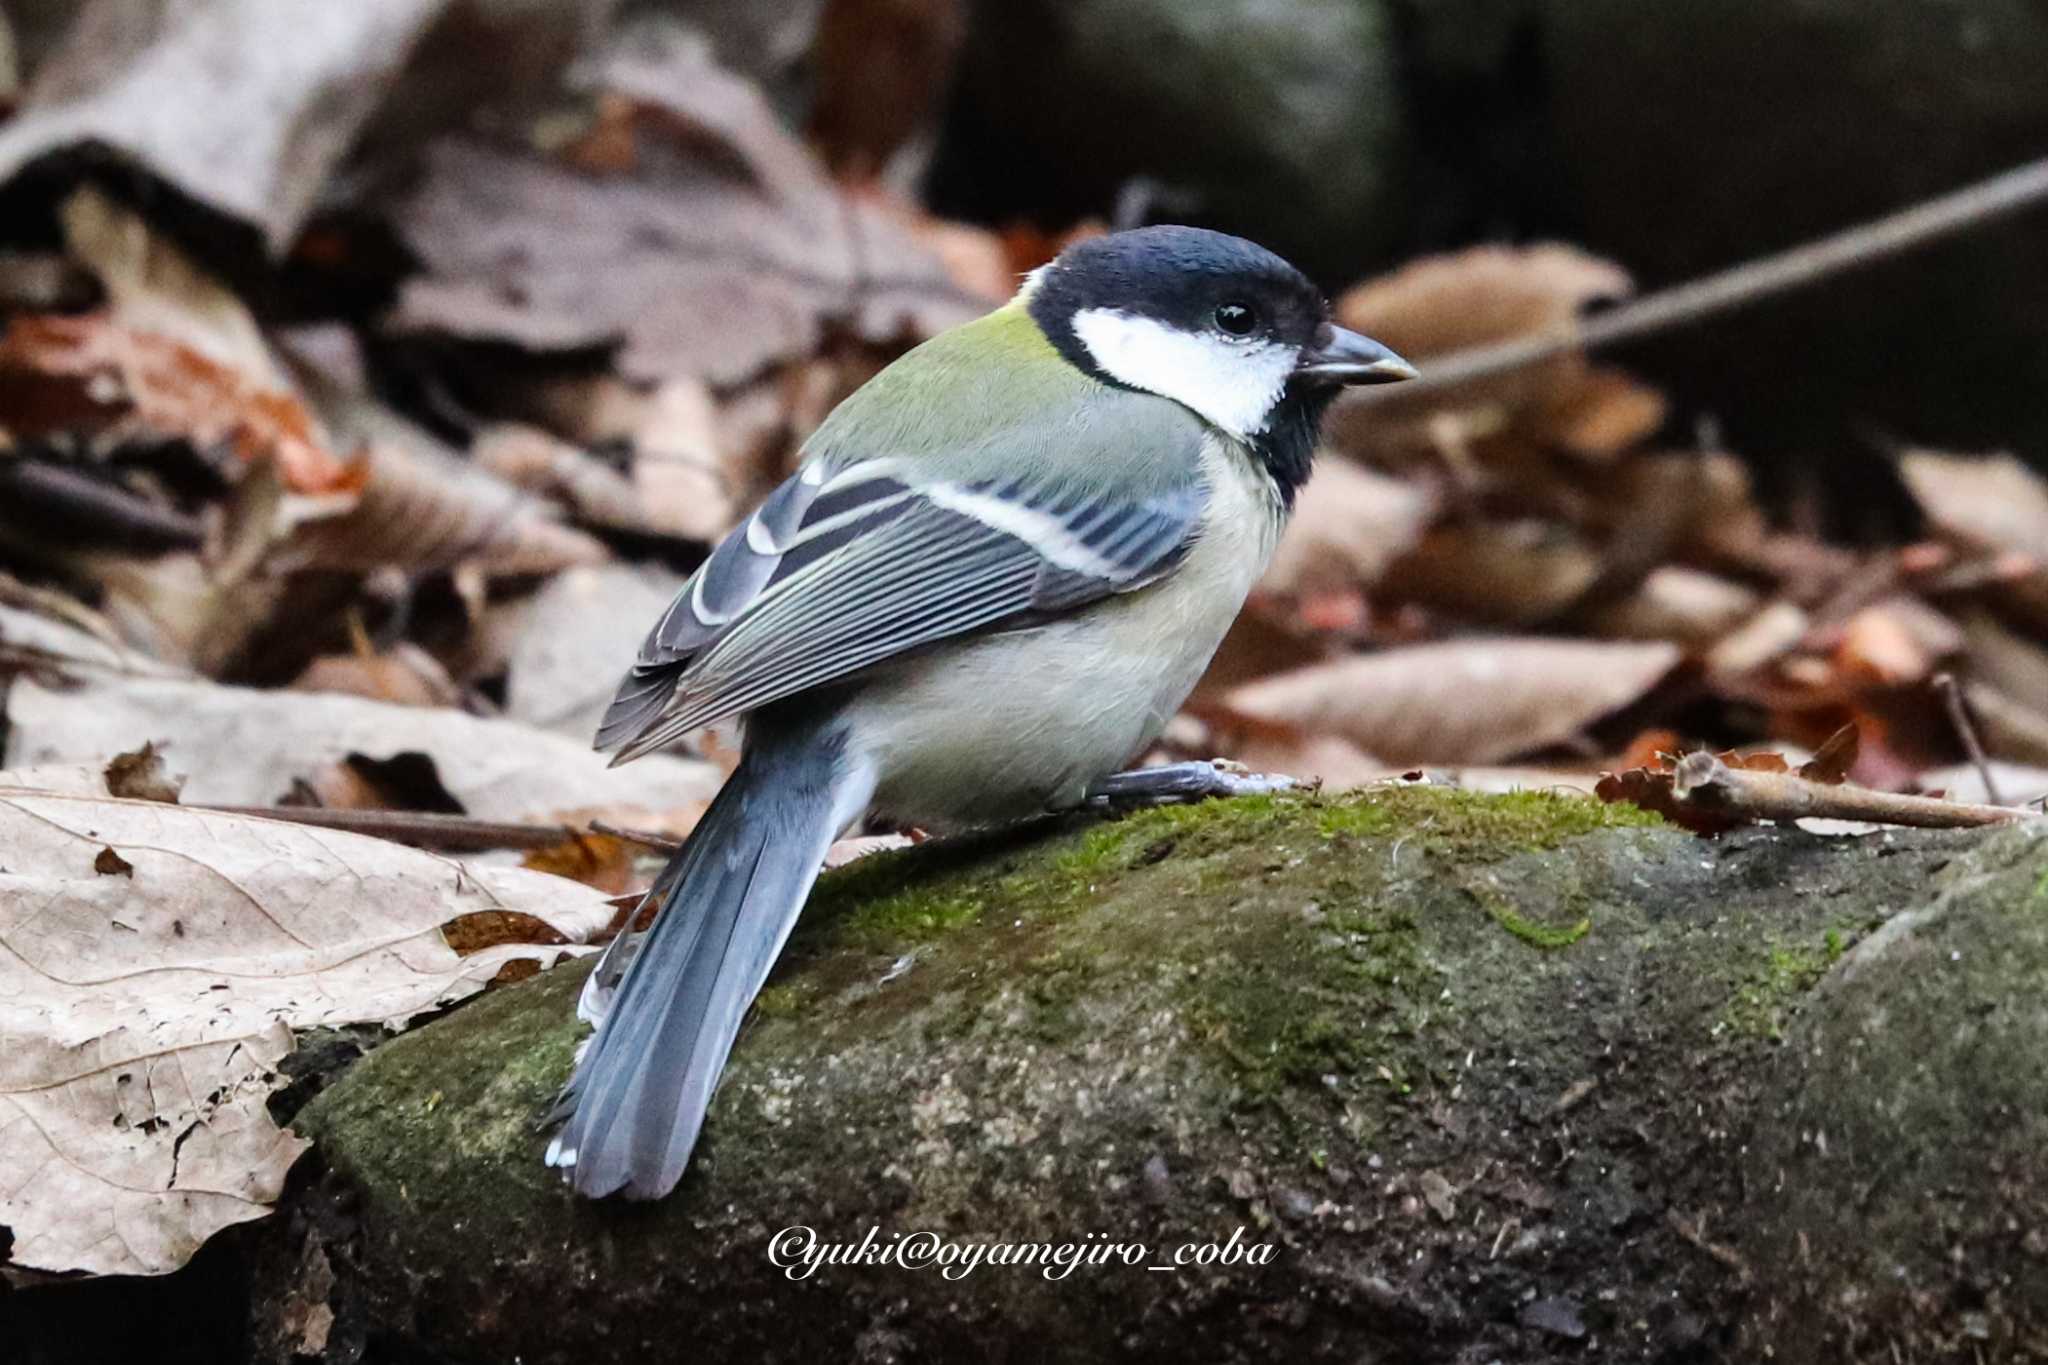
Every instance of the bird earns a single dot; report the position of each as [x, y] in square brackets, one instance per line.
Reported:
[1000, 568]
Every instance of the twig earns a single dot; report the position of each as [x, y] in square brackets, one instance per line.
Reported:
[420, 829]
[1959, 717]
[1707, 782]
[1741, 285]
[662, 843]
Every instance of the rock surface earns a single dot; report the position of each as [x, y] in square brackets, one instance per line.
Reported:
[1492, 1077]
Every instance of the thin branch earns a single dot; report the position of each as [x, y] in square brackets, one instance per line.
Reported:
[1739, 286]
[662, 843]
[420, 829]
[1959, 717]
[1705, 781]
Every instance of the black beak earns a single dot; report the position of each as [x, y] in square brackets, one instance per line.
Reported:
[1343, 357]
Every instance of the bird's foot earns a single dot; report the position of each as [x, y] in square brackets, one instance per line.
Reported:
[1199, 781]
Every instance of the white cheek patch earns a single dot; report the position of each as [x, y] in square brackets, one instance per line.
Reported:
[1233, 384]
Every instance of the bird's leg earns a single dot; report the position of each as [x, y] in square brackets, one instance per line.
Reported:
[1197, 781]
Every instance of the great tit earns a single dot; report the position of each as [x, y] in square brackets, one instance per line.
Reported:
[1003, 564]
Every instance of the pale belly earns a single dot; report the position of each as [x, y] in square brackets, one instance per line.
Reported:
[1032, 717]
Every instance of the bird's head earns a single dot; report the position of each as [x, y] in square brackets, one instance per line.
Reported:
[1213, 322]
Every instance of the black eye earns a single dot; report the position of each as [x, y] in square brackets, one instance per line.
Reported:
[1236, 319]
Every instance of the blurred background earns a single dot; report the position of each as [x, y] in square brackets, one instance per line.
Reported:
[413, 350]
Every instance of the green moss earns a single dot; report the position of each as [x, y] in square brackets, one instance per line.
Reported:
[1537, 933]
[1766, 997]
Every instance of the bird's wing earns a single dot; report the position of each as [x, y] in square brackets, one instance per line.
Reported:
[841, 569]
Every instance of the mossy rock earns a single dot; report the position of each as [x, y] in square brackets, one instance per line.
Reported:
[1477, 1073]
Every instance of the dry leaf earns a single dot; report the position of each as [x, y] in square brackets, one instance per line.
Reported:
[1490, 293]
[1512, 573]
[1771, 634]
[286, 89]
[142, 776]
[422, 509]
[1467, 701]
[574, 639]
[718, 249]
[247, 748]
[87, 377]
[1685, 606]
[1478, 297]
[143, 1014]
[405, 676]
[1348, 523]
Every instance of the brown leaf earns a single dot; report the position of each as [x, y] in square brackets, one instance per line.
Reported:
[1467, 701]
[86, 376]
[1348, 524]
[144, 1013]
[1651, 789]
[723, 251]
[112, 864]
[1511, 421]
[1679, 604]
[1509, 573]
[1831, 762]
[406, 676]
[598, 860]
[1490, 293]
[141, 776]
[421, 513]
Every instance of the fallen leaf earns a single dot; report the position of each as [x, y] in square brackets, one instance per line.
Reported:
[143, 1016]
[255, 744]
[600, 860]
[405, 676]
[1486, 294]
[285, 90]
[720, 251]
[1506, 573]
[1466, 701]
[1831, 762]
[141, 776]
[1349, 523]
[573, 640]
[1685, 606]
[87, 377]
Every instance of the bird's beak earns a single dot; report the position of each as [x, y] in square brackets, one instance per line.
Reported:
[1345, 357]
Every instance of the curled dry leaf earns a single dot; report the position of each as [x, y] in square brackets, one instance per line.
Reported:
[1466, 701]
[88, 377]
[143, 1015]
[248, 748]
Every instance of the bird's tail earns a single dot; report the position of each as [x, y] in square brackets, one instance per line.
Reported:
[632, 1110]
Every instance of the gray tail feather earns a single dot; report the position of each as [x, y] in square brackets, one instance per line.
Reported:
[632, 1110]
